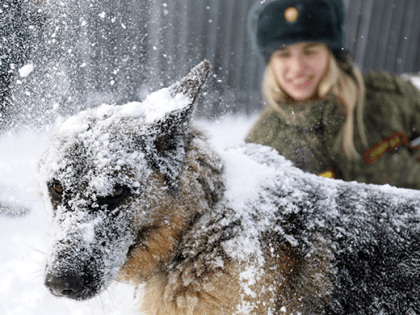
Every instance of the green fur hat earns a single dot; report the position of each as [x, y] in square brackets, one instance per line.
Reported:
[285, 22]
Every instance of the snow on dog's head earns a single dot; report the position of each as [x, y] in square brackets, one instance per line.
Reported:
[97, 163]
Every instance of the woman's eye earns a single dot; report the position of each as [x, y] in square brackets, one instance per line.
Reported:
[281, 54]
[310, 52]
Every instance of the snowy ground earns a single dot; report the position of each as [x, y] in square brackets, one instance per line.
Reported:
[24, 240]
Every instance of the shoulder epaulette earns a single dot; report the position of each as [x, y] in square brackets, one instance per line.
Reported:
[385, 145]
[384, 81]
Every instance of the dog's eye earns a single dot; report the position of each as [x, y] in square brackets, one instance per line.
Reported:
[57, 188]
[117, 192]
[117, 195]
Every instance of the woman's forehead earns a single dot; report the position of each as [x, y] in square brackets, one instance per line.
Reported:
[302, 45]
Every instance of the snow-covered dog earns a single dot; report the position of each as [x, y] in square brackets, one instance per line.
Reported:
[136, 193]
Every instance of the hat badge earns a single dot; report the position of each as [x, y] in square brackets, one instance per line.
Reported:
[291, 14]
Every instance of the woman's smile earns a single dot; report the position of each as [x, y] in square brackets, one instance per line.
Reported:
[302, 82]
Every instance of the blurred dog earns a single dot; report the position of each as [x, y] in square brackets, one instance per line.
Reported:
[136, 193]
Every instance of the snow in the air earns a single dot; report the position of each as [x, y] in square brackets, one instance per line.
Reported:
[26, 70]
[25, 241]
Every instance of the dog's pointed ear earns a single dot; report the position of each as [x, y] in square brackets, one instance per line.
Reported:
[171, 124]
[171, 136]
[189, 86]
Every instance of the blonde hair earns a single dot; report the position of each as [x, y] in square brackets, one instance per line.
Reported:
[342, 82]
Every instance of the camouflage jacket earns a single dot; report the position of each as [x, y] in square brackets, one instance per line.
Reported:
[392, 120]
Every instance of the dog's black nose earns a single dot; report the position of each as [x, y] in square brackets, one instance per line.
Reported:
[64, 286]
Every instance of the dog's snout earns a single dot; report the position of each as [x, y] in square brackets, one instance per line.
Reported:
[64, 286]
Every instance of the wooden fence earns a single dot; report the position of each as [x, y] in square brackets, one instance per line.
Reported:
[384, 34]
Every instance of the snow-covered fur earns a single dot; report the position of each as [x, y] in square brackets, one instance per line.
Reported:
[137, 194]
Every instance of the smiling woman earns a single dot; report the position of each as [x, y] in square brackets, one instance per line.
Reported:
[322, 113]
[299, 68]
